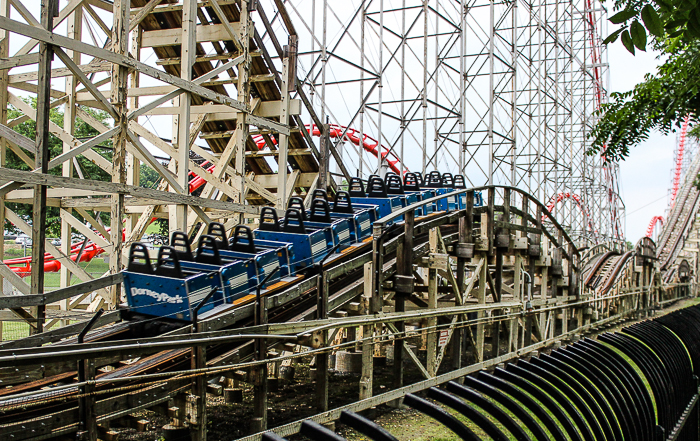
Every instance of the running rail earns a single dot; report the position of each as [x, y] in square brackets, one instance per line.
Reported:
[680, 218]
[636, 384]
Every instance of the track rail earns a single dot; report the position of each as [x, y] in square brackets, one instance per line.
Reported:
[510, 224]
[680, 219]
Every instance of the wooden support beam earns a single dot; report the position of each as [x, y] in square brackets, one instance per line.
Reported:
[432, 337]
[143, 13]
[120, 59]
[115, 188]
[49, 10]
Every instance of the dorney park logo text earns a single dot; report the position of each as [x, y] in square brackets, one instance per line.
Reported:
[158, 296]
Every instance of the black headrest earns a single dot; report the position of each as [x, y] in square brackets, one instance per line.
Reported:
[320, 211]
[242, 240]
[433, 180]
[293, 215]
[269, 220]
[342, 203]
[180, 240]
[139, 260]
[376, 188]
[447, 180]
[218, 230]
[411, 182]
[356, 188]
[393, 184]
[460, 182]
[320, 193]
[298, 203]
[208, 250]
[168, 264]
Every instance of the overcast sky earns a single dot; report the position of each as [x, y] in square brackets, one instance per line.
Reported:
[645, 176]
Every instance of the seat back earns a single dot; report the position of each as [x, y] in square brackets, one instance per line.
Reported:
[319, 193]
[293, 222]
[242, 240]
[342, 203]
[139, 260]
[447, 180]
[320, 211]
[356, 189]
[433, 180]
[411, 182]
[181, 244]
[269, 220]
[218, 231]
[393, 184]
[208, 250]
[376, 188]
[298, 203]
[168, 264]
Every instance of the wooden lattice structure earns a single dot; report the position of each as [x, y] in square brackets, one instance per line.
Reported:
[235, 110]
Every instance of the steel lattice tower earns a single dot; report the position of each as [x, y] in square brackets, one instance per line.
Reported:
[502, 92]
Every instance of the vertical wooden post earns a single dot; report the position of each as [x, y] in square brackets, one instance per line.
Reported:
[242, 128]
[4, 79]
[120, 76]
[89, 415]
[481, 299]
[323, 179]
[432, 340]
[49, 9]
[74, 25]
[134, 171]
[178, 213]
[489, 226]
[404, 268]
[464, 238]
[367, 378]
[288, 77]
[199, 392]
[322, 359]
[260, 389]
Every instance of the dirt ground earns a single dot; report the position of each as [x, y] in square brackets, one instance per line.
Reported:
[294, 401]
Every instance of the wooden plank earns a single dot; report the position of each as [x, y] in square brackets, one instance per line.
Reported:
[14, 279]
[58, 72]
[87, 49]
[68, 61]
[18, 60]
[64, 136]
[173, 37]
[50, 248]
[116, 188]
[18, 139]
[233, 33]
[64, 157]
[142, 13]
[59, 294]
[84, 230]
[41, 162]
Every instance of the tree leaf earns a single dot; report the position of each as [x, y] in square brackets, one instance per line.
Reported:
[622, 16]
[639, 35]
[673, 24]
[613, 37]
[677, 33]
[693, 26]
[665, 5]
[652, 21]
[627, 41]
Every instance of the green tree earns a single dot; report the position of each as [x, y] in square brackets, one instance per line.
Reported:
[83, 131]
[662, 101]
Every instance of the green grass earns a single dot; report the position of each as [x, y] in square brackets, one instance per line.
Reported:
[19, 329]
[96, 268]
